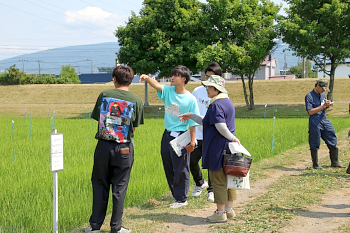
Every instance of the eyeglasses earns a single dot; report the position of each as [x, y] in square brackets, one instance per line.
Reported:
[207, 76]
[207, 87]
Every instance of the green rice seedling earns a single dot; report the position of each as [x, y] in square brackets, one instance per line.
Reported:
[26, 183]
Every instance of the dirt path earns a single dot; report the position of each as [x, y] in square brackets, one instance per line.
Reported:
[330, 214]
[327, 216]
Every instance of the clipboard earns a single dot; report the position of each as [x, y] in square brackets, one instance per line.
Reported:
[181, 141]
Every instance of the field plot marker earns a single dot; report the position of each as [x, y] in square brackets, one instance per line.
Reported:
[25, 116]
[273, 130]
[89, 125]
[48, 115]
[30, 127]
[57, 164]
[157, 115]
[342, 110]
[13, 141]
[54, 118]
[265, 114]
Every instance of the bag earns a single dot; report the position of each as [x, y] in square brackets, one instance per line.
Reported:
[234, 182]
[236, 165]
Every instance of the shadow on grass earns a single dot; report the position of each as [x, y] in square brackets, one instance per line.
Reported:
[320, 215]
[286, 169]
[338, 207]
[172, 218]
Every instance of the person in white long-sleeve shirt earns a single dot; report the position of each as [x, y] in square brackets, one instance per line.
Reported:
[203, 101]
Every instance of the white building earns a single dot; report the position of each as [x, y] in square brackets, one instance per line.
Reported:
[342, 70]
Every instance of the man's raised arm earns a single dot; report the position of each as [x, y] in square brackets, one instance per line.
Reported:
[151, 82]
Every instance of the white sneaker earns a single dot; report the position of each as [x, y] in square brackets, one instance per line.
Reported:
[204, 185]
[89, 229]
[124, 230]
[211, 196]
[198, 189]
[175, 204]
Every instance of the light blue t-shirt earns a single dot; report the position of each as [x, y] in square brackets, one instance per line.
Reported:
[176, 104]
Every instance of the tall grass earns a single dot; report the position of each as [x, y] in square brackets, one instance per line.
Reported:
[26, 183]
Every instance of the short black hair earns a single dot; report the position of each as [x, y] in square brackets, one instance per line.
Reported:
[123, 74]
[183, 71]
[214, 67]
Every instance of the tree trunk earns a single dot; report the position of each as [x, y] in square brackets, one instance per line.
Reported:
[250, 102]
[331, 80]
[251, 96]
[245, 92]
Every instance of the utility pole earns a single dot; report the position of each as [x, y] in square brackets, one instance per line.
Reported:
[39, 65]
[285, 65]
[23, 64]
[92, 69]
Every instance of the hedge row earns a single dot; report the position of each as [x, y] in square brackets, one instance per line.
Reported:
[13, 76]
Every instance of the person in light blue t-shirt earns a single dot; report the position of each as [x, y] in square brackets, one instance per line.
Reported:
[177, 100]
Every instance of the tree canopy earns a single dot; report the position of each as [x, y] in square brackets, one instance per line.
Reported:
[316, 30]
[166, 34]
[298, 70]
[240, 34]
[68, 75]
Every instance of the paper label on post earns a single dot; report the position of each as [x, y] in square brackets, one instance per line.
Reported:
[57, 163]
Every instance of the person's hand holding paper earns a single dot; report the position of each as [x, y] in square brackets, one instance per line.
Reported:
[238, 148]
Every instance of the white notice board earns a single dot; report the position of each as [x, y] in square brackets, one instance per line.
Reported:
[56, 152]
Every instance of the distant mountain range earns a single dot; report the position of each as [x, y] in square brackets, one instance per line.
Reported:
[85, 58]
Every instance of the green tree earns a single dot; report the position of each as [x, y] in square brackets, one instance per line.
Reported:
[166, 34]
[318, 30]
[298, 70]
[13, 76]
[240, 35]
[68, 75]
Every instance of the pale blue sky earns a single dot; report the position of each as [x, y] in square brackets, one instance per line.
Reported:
[29, 26]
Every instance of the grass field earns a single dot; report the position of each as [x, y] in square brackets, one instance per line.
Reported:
[26, 180]
[73, 101]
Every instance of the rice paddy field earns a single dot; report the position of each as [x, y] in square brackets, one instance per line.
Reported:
[26, 184]
[26, 179]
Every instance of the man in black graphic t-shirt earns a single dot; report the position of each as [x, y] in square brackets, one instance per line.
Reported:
[114, 154]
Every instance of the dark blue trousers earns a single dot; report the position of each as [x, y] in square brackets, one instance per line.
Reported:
[112, 166]
[195, 169]
[324, 130]
[177, 169]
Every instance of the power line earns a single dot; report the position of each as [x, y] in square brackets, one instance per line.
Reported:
[104, 10]
[67, 16]
[77, 13]
[53, 21]
[115, 6]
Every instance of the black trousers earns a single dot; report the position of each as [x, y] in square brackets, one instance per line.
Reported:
[177, 169]
[196, 172]
[112, 166]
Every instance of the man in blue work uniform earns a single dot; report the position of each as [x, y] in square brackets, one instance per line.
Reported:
[316, 105]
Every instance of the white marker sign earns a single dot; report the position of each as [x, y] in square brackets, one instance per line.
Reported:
[56, 152]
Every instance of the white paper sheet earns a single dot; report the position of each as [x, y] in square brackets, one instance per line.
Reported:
[181, 141]
[235, 148]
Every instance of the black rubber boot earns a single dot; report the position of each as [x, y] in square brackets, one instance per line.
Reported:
[333, 154]
[314, 157]
[348, 170]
